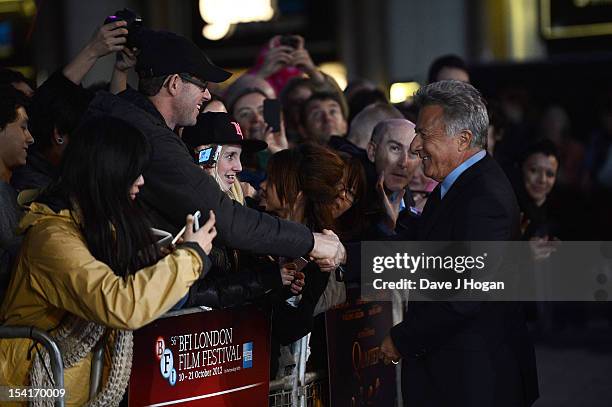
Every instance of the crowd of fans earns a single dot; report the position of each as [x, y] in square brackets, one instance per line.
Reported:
[85, 175]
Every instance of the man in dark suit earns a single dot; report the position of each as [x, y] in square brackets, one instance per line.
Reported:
[462, 353]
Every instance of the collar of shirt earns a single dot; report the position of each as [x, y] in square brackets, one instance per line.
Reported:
[412, 209]
[402, 205]
[454, 174]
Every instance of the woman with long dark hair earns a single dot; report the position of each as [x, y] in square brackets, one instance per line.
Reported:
[89, 269]
[303, 185]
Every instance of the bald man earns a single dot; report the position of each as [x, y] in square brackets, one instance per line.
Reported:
[389, 151]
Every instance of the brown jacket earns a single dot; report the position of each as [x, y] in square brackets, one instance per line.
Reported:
[56, 274]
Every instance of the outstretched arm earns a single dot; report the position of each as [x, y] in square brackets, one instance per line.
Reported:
[108, 38]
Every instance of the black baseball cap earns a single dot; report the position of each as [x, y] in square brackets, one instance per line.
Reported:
[219, 128]
[166, 53]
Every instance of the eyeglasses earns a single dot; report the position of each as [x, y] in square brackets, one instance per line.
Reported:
[347, 193]
[203, 85]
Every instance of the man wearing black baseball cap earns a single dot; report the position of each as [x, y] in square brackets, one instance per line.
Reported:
[173, 74]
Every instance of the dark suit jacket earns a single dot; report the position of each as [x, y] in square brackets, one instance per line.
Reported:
[468, 353]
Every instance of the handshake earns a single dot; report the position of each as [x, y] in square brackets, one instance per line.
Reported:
[328, 252]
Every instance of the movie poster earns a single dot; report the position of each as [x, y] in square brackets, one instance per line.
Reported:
[357, 375]
[216, 358]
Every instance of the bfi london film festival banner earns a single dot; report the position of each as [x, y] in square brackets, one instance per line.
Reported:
[216, 358]
[357, 375]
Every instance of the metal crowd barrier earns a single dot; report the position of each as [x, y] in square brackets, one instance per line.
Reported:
[55, 357]
[301, 388]
[312, 392]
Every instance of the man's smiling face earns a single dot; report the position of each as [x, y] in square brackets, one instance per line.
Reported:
[438, 151]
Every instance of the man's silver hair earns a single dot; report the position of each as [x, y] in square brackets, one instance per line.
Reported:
[463, 105]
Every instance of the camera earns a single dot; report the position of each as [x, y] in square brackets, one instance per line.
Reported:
[208, 157]
[134, 26]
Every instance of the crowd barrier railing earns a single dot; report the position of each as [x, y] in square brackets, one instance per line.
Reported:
[55, 356]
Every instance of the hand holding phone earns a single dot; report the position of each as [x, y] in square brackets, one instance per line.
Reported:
[202, 236]
[195, 222]
[298, 283]
[292, 275]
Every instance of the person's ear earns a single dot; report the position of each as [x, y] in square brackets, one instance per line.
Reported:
[464, 140]
[174, 84]
[371, 151]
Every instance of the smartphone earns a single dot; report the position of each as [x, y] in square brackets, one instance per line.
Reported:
[290, 41]
[196, 221]
[163, 238]
[196, 226]
[295, 264]
[208, 157]
[300, 263]
[272, 113]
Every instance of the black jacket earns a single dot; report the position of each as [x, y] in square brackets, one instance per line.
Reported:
[478, 352]
[236, 278]
[175, 186]
[37, 173]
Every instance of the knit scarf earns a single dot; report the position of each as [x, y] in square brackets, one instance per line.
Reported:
[76, 338]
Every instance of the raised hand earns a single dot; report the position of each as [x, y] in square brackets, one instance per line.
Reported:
[108, 38]
[277, 57]
[126, 59]
[277, 141]
[391, 206]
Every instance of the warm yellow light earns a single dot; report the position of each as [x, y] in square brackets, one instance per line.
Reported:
[25, 7]
[337, 71]
[215, 32]
[221, 14]
[29, 8]
[400, 91]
